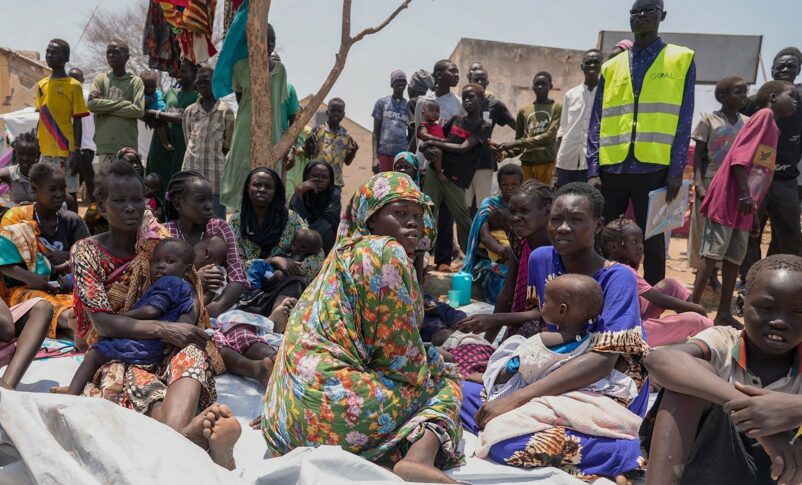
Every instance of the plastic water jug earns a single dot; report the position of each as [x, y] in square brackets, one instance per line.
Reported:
[462, 282]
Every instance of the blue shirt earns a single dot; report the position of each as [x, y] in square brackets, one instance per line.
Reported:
[640, 60]
[621, 310]
[392, 114]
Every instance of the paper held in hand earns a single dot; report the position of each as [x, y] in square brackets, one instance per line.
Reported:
[662, 217]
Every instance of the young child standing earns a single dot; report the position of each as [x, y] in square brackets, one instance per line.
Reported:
[154, 100]
[61, 105]
[731, 398]
[737, 190]
[331, 143]
[153, 183]
[208, 127]
[622, 241]
[171, 298]
[536, 129]
[714, 135]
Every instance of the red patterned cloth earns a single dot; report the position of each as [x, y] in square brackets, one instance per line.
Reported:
[237, 338]
[472, 358]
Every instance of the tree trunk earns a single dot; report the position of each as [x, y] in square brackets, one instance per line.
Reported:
[259, 64]
[261, 140]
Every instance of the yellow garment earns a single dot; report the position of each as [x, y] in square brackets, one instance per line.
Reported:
[23, 235]
[503, 239]
[542, 173]
[58, 101]
[657, 107]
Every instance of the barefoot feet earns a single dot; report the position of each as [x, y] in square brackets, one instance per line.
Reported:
[281, 314]
[221, 435]
[728, 319]
[194, 430]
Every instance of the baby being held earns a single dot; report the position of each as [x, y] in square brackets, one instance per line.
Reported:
[211, 251]
[306, 242]
[170, 298]
[571, 301]
[500, 223]
[431, 129]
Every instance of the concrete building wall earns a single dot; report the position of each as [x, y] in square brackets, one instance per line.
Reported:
[511, 68]
[18, 77]
[360, 169]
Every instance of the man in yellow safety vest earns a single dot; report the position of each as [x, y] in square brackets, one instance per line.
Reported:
[640, 126]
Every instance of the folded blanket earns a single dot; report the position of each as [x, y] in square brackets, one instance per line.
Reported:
[585, 412]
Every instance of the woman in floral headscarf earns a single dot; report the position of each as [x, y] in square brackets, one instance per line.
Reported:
[352, 370]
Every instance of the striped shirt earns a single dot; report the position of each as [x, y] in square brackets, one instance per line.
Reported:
[220, 228]
[208, 135]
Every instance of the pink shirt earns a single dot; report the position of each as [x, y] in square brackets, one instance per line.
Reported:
[755, 149]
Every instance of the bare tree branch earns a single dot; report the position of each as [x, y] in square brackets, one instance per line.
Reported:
[303, 116]
[382, 25]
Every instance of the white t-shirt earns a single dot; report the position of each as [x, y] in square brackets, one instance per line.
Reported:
[88, 133]
[577, 105]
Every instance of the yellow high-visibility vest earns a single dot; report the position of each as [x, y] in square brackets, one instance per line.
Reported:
[650, 121]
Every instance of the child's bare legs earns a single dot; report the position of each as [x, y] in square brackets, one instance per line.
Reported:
[672, 437]
[418, 464]
[164, 137]
[93, 360]
[702, 277]
[729, 276]
[31, 332]
[254, 363]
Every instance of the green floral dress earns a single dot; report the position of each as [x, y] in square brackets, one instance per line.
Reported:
[249, 250]
[352, 370]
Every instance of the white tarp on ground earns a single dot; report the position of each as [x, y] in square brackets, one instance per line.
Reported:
[47, 438]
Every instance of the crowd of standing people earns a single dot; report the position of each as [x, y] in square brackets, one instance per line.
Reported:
[190, 264]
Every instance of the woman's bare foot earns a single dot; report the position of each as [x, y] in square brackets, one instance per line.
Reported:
[281, 314]
[221, 435]
[412, 471]
[194, 430]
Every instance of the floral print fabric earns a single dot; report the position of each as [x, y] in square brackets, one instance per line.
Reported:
[353, 370]
[250, 251]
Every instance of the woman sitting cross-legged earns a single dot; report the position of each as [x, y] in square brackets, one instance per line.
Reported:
[112, 272]
[352, 370]
[617, 344]
[265, 230]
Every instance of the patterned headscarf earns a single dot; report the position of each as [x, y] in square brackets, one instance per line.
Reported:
[383, 189]
[411, 159]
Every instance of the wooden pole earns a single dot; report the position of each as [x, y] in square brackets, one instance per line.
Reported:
[259, 64]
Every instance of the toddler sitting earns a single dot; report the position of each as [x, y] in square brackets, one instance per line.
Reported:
[306, 242]
[571, 301]
[170, 298]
